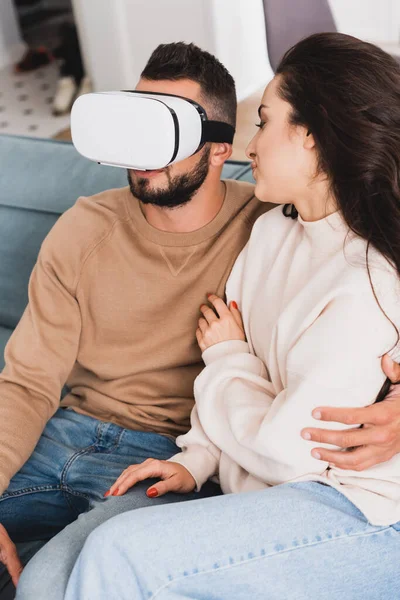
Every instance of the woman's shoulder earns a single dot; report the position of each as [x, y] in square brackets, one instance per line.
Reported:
[366, 264]
[371, 281]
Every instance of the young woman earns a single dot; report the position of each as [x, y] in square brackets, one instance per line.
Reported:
[318, 286]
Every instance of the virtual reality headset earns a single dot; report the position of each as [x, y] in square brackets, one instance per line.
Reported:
[142, 130]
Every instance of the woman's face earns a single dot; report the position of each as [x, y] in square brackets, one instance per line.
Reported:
[282, 155]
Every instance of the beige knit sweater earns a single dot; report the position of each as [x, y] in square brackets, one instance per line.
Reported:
[113, 309]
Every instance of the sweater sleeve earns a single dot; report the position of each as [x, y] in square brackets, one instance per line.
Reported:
[336, 362]
[199, 455]
[41, 352]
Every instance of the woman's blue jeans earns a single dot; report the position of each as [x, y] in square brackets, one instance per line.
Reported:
[301, 541]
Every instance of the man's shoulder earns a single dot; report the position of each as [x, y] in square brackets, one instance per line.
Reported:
[248, 206]
[87, 222]
[109, 205]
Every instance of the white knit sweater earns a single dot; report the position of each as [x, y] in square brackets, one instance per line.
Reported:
[315, 335]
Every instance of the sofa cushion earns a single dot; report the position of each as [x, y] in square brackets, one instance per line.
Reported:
[247, 175]
[50, 175]
[21, 234]
[5, 333]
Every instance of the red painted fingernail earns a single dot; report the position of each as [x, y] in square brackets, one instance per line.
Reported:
[152, 492]
[208, 295]
[115, 492]
[107, 494]
[234, 304]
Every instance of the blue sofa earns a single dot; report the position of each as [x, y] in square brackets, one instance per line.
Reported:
[39, 180]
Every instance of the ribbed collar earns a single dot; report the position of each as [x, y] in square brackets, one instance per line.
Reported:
[327, 231]
[193, 238]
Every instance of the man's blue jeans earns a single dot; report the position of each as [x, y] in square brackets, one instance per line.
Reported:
[60, 490]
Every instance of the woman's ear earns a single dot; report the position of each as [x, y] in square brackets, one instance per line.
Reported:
[220, 153]
[309, 141]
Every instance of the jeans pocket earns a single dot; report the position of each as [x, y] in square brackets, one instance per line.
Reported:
[396, 526]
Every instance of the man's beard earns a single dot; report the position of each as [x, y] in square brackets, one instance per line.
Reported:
[180, 190]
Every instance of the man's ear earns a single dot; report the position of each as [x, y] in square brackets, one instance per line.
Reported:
[220, 153]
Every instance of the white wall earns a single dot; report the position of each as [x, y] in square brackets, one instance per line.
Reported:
[240, 43]
[373, 20]
[118, 37]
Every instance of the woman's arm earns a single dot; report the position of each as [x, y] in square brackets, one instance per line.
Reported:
[263, 436]
[199, 455]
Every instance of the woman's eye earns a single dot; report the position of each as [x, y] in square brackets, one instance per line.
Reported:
[260, 125]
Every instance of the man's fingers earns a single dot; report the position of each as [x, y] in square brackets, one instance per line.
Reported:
[14, 567]
[357, 460]
[9, 556]
[348, 438]
[390, 368]
[375, 414]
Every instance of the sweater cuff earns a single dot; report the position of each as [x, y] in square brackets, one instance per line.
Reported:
[200, 463]
[222, 349]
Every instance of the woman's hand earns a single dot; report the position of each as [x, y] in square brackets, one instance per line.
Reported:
[219, 325]
[175, 478]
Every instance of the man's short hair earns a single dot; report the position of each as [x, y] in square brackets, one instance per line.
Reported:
[187, 61]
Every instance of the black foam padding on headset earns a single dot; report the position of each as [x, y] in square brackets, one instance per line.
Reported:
[216, 131]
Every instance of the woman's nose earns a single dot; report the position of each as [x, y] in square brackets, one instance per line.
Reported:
[250, 151]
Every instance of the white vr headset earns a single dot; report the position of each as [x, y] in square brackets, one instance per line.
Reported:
[142, 130]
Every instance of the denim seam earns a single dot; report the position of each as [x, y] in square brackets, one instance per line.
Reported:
[99, 434]
[31, 490]
[117, 441]
[113, 447]
[64, 486]
[43, 488]
[263, 556]
[71, 492]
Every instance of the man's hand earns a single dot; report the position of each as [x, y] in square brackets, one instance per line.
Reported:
[376, 442]
[9, 556]
[175, 478]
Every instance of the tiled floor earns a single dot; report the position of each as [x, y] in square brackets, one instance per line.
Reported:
[26, 103]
